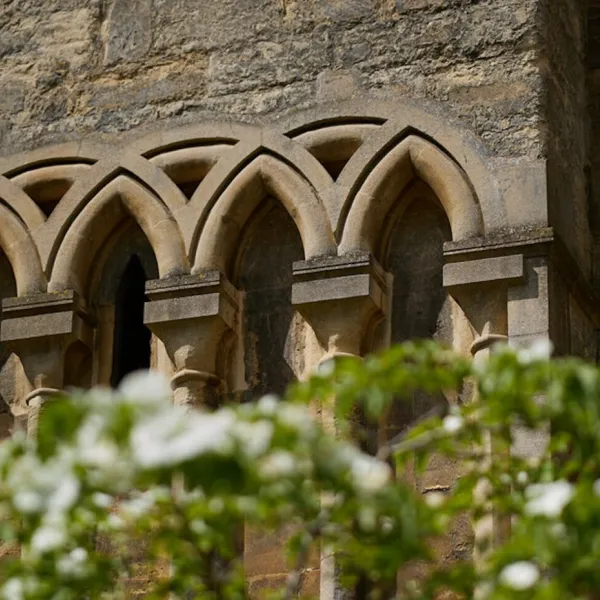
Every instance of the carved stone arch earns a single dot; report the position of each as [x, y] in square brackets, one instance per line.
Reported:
[46, 185]
[240, 157]
[216, 132]
[70, 152]
[100, 176]
[334, 145]
[21, 204]
[398, 119]
[265, 175]
[100, 217]
[20, 250]
[413, 158]
[122, 243]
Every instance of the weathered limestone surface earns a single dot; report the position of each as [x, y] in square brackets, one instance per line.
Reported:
[96, 67]
[295, 180]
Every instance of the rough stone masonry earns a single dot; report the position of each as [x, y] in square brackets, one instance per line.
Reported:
[235, 191]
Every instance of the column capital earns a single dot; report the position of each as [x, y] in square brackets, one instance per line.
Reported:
[190, 298]
[340, 297]
[39, 329]
[60, 317]
[191, 315]
[480, 287]
[481, 272]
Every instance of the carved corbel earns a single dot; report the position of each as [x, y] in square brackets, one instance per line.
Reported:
[40, 329]
[193, 315]
[342, 298]
[480, 287]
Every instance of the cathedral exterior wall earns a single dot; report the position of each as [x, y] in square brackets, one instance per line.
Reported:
[281, 182]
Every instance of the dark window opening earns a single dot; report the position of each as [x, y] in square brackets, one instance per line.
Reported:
[131, 346]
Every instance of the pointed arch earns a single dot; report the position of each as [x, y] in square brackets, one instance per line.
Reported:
[21, 253]
[46, 185]
[264, 175]
[414, 157]
[21, 203]
[121, 197]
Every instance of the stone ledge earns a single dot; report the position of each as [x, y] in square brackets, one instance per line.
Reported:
[511, 242]
[43, 316]
[509, 269]
[338, 278]
[190, 297]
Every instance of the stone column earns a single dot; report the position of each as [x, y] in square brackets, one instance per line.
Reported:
[194, 315]
[480, 287]
[342, 299]
[40, 329]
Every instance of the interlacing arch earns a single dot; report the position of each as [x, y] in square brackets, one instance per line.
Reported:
[338, 172]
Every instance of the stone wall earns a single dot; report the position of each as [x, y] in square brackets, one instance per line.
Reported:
[74, 68]
[383, 141]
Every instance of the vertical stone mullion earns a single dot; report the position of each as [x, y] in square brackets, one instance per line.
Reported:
[341, 298]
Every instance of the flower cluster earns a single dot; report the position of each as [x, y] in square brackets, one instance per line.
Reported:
[114, 470]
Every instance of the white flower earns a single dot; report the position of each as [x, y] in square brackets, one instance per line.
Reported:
[596, 487]
[146, 387]
[101, 396]
[73, 565]
[216, 505]
[103, 455]
[435, 499]
[540, 350]
[198, 526]
[296, 417]
[101, 500]
[387, 525]
[28, 502]
[115, 522]
[65, 495]
[48, 537]
[521, 575]
[453, 423]
[483, 591]
[13, 589]
[278, 464]
[522, 477]
[548, 499]
[137, 507]
[254, 437]
[268, 404]
[368, 473]
[174, 436]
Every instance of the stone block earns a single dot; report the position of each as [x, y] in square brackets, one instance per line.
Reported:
[129, 31]
[339, 278]
[44, 316]
[190, 297]
[509, 269]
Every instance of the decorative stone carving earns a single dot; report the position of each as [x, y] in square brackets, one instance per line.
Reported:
[40, 329]
[192, 316]
[480, 286]
[341, 298]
